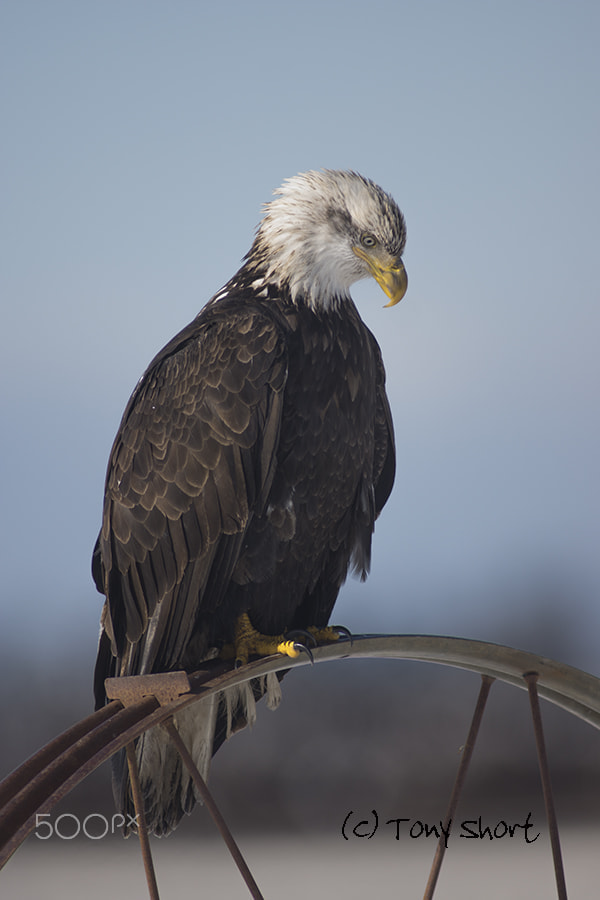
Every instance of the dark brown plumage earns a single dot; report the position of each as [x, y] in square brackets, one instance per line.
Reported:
[250, 465]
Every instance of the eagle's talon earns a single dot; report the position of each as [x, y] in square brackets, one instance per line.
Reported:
[301, 633]
[249, 642]
[343, 632]
[330, 633]
[293, 649]
[302, 648]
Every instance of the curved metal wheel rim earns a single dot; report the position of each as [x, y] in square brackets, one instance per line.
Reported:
[50, 774]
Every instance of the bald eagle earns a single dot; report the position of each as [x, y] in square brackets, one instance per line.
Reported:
[251, 462]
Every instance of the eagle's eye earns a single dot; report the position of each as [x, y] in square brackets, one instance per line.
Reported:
[367, 240]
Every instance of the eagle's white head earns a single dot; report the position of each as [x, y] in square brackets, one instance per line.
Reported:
[324, 231]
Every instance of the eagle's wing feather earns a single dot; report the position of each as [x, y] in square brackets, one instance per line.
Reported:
[192, 462]
[384, 461]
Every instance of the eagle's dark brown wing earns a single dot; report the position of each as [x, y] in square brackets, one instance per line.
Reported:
[192, 462]
[384, 460]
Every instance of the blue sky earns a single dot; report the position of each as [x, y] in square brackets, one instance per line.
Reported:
[140, 140]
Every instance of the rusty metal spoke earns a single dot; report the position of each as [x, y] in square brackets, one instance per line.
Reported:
[531, 679]
[213, 809]
[467, 752]
[140, 817]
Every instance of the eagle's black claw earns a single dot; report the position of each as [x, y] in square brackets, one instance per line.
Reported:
[302, 648]
[304, 635]
[343, 632]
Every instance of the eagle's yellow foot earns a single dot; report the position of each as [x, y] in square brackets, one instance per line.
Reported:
[248, 642]
[316, 636]
[329, 634]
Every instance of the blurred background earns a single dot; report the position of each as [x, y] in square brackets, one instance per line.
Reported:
[140, 140]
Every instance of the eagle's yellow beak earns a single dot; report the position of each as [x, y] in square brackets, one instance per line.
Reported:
[390, 276]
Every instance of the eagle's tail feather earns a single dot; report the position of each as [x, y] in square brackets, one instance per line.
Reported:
[166, 784]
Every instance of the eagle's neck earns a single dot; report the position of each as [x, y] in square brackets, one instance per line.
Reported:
[305, 253]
